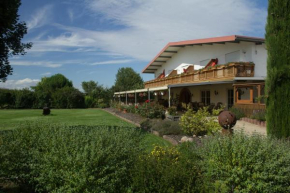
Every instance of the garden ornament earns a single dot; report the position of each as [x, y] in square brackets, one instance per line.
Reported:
[227, 120]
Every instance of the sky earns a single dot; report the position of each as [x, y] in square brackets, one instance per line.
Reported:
[91, 39]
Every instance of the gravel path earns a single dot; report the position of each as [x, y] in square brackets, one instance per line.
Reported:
[249, 128]
[130, 117]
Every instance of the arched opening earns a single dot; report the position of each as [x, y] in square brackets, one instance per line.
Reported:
[185, 96]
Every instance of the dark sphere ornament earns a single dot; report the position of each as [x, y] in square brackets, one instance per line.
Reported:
[227, 119]
[46, 111]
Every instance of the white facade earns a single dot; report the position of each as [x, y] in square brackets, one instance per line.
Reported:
[202, 54]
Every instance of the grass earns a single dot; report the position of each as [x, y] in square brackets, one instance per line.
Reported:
[9, 119]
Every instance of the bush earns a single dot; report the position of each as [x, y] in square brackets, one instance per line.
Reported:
[68, 97]
[259, 115]
[165, 170]
[199, 123]
[51, 158]
[147, 124]
[151, 110]
[244, 164]
[172, 110]
[216, 112]
[89, 102]
[238, 112]
[167, 127]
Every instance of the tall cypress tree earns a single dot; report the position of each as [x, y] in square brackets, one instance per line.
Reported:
[278, 68]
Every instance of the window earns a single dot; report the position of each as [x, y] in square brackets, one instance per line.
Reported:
[205, 97]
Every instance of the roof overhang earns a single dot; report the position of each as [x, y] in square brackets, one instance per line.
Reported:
[250, 78]
[173, 47]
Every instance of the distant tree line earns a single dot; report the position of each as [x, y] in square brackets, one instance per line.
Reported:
[58, 92]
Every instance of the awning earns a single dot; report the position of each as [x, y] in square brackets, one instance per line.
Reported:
[200, 83]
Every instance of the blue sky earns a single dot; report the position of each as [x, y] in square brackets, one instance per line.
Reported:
[91, 39]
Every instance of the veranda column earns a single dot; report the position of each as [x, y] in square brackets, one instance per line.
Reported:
[119, 98]
[126, 98]
[169, 96]
[148, 94]
[135, 98]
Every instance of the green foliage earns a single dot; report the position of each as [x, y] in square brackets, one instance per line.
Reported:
[278, 68]
[165, 170]
[47, 87]
[199, 123]
[97, 95]
[151, 110]
[24, 98]
[216, 112]
[11, 33]
[167, 127]
[68, 97]
[89, 102]
[259, 115]
[52, 158]
[7, 98]
[238, 112]
[172, 110]
[244, 164]
[127, 79]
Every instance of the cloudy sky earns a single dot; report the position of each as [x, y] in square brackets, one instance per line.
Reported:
[91, 39]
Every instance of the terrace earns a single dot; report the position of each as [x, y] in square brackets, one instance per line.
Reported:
[217, 73]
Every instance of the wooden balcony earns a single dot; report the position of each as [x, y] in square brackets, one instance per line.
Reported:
[217, 73]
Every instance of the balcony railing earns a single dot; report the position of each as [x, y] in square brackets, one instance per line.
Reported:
[217, 73]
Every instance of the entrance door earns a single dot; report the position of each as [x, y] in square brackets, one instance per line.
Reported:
[230, 98]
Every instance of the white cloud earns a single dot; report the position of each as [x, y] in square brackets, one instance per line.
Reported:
[48, 64]
[46, 74]
[19, 84]
[40, 17]
[112, 62]
[147, 26]
[70, 15]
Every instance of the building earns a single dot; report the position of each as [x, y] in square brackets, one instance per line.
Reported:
[229, 70]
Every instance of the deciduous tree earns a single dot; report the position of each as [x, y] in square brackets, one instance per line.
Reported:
[11, 33]
[128, 79]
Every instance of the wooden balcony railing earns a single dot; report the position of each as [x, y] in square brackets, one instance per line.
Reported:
[217, 73]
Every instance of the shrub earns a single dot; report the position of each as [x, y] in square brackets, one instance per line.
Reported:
[259, 115]
[165, 170]
[244, 164]
[51, 158]
[216, 112]
[238, 112]
[147, 124]
[150, 110]
[199, 123]
[89, 102]
[167, 127]
[172, 110]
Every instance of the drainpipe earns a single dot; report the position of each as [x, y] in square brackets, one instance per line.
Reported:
[169, 97]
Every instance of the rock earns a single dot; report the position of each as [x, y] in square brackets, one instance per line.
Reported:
[155, 133]
[171, 140]
[186, 139]
[190, 139]
[194, 136]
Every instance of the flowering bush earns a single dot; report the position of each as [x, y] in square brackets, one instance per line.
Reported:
[199, 123]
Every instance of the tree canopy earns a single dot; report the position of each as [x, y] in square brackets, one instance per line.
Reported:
[11, 33]
[127, 79]
[47, 86]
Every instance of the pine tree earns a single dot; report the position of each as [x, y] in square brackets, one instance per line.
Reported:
[278, 68]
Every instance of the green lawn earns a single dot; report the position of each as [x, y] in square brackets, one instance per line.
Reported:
[9, 119]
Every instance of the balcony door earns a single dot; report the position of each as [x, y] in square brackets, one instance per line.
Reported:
[185, 96]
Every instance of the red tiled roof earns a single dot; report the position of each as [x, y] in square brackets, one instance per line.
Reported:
[232, 38]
